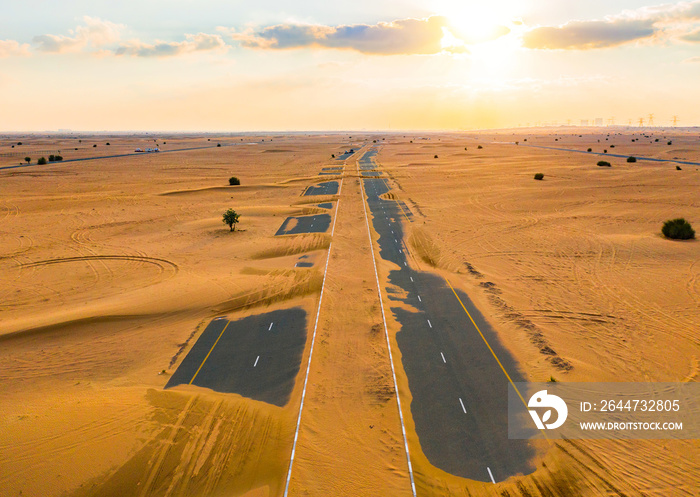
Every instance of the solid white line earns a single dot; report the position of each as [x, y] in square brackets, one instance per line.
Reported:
[388, 344]
[463, 408]
[419, 300]
[270, 326]
[491, 475]
[256, 362]
[443, 357]
[429, 323]
[311, 352]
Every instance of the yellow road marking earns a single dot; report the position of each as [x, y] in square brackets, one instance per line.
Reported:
[207, 357]
[492, 352]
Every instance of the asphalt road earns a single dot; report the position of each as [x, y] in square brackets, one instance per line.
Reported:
[334, 168]
[131, 154]
[326, 205]
[620, 156]
[306, 224]
[257, 356]
[460, 393]
[327, 188]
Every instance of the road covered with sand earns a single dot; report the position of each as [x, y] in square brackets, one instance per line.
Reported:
[113, 273]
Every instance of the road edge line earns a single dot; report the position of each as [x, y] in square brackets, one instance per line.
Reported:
[311, 353]
[388, 343]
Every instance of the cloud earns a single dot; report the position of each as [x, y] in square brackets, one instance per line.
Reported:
[693, 37]
[667, 21]
[582, 35]
[200, 42]
[402, 36]
[9, 48]
[94, 33]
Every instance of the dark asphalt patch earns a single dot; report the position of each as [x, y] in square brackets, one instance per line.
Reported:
[326, 169]
[304, 264]
[305, 224]
[326, 205]
[371, 173]
[463, 444]
[327, 188]
[249, 358]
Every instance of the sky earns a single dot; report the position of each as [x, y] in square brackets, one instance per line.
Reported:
[272, 65]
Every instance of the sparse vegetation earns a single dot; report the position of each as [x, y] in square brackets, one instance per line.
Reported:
[479, 147]
[552, 379]
[678, 229]
[332, 156]
[669, 142]
[231, 218]
[631, 159]
[678, 168]
[94, 146]
[107, 143]
[604, 163]
[435, 157]
[590, 150]
[219, 144]
[539, 176]
[234, 181]
[27, 159]
[41, 161]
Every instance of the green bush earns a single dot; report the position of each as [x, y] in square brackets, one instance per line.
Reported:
[604, 163]
[539, 176]
[27, 159]
[678, 229]
[234, 181]
[435, 157]
[590, 150]
[479, 147]
[219, 144]
[670, 143]
[678, 168]
[631, 159]
[58, 157]
[41, 161]
[231, 218]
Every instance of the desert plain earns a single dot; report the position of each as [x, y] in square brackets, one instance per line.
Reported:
[111, 269]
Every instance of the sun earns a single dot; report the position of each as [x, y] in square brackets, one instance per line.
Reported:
[478, 21]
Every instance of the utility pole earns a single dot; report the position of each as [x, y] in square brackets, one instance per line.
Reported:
[651, 119]
[675, 121]
[641, 122]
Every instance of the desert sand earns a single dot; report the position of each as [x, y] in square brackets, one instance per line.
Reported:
[110, 269]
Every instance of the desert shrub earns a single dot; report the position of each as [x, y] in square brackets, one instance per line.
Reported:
[231, 218]
[678, 168]
[678, 229]
[333, 156]
[604, 163]
[234, 181]
[590, 150]
[669, 143]
[219, 144]
[605, 150]
[94, 146]
[435, 157]
[479, 147]
[41, 161]
[19, 143]
[539, 176]
[107, 143]
[656, 140]
[631, 159]
[27, 159]
[612, 146]
[52, 158]
[58, 158]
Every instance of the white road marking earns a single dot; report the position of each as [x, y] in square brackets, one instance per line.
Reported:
[419, 299]
[391, 360]
[443, 357]
[405, 264]
[411, 278]
[308, 365]
[256, 362]
[491, 475]
[429, 323]
[270, 326]
[463, 408]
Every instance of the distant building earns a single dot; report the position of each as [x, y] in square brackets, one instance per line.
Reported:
[598, 121]
[584, 122]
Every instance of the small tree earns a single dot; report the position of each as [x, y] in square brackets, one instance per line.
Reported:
[604, 163]
[231, 219]
[41, 161]
[678, 229]
[678, 168]
[219, 144]
[234, 181]
[52, 158]
[539, 176]
[27, 159]
[590, 150]
[631, 159]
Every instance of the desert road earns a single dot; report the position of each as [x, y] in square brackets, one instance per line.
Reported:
[457, 383]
